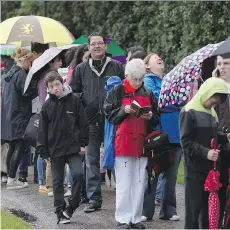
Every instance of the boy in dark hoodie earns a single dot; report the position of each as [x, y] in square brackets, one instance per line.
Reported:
[62, 131]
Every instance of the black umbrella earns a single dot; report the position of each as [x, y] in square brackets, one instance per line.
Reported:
[224, 48]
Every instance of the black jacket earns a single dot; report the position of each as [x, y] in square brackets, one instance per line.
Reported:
[62, 126]
[16, 108]
[115, 112]
[90, 83]
[196, 132]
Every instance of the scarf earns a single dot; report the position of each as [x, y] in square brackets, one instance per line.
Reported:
[128, 87]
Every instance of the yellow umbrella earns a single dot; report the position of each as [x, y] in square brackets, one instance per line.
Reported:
[34, 29]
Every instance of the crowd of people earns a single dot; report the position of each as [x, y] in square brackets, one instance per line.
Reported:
[71, 133]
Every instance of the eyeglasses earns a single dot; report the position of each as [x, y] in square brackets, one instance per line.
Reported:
[97, 44]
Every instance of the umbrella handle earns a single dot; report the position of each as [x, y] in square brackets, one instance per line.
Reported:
[213, 145]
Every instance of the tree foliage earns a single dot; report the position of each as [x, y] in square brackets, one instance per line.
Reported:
[172, 29]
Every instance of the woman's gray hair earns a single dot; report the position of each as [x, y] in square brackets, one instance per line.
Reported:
[135, 68]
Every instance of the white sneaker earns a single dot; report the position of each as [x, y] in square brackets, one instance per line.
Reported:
[50, 194]
[144, 218]
[12, 183]
[4, 179]
[174, 218]
[68, 193]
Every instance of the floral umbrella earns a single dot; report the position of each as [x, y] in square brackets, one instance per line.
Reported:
[177, 84]
[115, 50]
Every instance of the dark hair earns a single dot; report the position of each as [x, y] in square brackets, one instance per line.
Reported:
[77, 59]
[69, 55]
[138, 54]
[223, 96]
[224, 56]
[94, 35]
[52, 76]
[134, 49]
[39, 48]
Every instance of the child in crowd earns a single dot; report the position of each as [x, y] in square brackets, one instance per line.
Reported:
[62, 131]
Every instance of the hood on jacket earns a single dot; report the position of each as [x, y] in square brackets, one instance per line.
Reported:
[111, 83]
[206, 91]
[153, 76]
[66, 91]
[11, 73]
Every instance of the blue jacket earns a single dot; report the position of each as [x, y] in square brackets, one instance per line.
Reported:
[109, 152]
[169, 116]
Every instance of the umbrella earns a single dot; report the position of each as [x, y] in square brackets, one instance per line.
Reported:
[227, 207]
[212, 185]
[223, 48]
[41, 61]
[34, 29]
[115, 50]
[177, 84]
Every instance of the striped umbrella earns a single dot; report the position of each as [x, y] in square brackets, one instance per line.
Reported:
[113, 48]
[34, 29]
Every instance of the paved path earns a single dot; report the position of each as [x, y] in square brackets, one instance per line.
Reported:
[41, 207]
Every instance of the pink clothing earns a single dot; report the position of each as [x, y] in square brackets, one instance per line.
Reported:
[69, 75]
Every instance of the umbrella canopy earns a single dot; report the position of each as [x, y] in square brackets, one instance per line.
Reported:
[41, 61]
[223, 48]
[176, 85]
[212, 185]
[113, 48]
[34, 29]
[10, 49]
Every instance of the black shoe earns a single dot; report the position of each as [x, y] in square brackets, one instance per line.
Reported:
[84, 200]
[102, 178]
[63, 220]
[92, 207]
[137, 226]
[123, 226]
[35, 181]
[22, 179]
[68, 212]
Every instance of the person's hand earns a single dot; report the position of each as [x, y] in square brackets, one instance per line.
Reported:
[213, 155]
[48, 160]
[228, 136]
[128, 109]
[147, 116]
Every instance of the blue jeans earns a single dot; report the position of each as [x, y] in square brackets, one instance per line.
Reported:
[168, 205]
[41, 171]
[160, 187]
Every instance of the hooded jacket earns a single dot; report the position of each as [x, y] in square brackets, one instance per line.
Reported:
[16, 107]
[198, 126]
[169, 117]
[62, 125]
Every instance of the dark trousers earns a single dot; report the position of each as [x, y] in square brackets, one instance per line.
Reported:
[92, 158]
[14, 155]
[83, 189]
[58, 166]
[224, 174]
[149, 200]
[196, 201]
[24, 163]
[168, 206]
